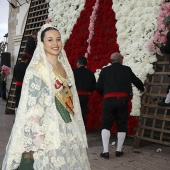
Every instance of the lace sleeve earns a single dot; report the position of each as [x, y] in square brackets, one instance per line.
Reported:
[37, 100]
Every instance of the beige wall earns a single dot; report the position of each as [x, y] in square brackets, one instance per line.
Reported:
[16, 25]
[12, 22]
[11, 32]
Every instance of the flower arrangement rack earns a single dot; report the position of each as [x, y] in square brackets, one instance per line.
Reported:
[154, 122]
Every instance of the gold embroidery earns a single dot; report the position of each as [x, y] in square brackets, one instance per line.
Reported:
[64, 95]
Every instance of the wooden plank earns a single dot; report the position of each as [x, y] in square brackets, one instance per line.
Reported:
[42, 15]
[40, 10]
[161, 62]
[153, 125]
[157, 84]
[35, 22]
[11, 108]
[156, 94]
[37, 5]
[154, 140]
[155, 106]
[154, 129]
[162, 73]
[158, 116]
[11, 101]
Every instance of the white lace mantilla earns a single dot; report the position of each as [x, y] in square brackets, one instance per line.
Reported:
[38, 125]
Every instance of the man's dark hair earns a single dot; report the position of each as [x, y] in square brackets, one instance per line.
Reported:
[82, 60]
[24, 57]
[45, 30]
[34, 33]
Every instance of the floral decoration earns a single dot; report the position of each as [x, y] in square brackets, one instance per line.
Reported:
[64, 14]
[77, 44]
[136, 23]
[91, 26]
[104, 39]
[115, 26]
[161, 31]
[48, 20]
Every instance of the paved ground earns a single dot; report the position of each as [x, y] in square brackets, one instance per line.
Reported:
[146, 158]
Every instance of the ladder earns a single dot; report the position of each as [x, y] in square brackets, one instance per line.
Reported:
[154, 122]
[37, 14]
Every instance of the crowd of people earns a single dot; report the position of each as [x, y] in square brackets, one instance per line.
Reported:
[49, 131]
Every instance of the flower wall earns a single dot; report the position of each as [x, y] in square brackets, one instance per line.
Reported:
[77, 44]
[136, 24]
[102, 45]
[64, 14]
[97, 28]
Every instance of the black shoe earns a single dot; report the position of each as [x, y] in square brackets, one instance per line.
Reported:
[105, 155]
[118, 154]
[163, 104]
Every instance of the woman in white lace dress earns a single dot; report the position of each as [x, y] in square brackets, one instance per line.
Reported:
[48, 133]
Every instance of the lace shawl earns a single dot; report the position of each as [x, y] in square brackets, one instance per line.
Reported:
[36, 123]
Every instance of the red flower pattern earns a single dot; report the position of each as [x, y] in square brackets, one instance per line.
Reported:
[103, 44]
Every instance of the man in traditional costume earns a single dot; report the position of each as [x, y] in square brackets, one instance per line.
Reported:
[115, 84]
[31, 45]
[85, 83]
[19, 72]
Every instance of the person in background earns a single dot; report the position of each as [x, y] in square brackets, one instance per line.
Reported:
[48, 133]
[165, 48]
[4, 72]
[2, 77]
[115, 84]
[31, 45]
[166, 101]
[19, 72]
[85, 83]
